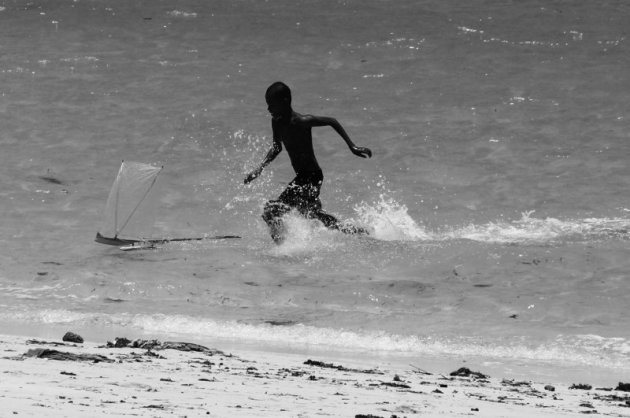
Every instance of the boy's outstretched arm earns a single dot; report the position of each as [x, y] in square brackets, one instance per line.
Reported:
[333, 123]
[276, 148]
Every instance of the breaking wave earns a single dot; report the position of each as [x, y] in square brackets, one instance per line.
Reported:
[588, 350]
[389, 220]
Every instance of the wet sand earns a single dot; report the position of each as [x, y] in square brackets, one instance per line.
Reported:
[152, 378]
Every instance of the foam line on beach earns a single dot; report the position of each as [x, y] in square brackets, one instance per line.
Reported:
[574, 350]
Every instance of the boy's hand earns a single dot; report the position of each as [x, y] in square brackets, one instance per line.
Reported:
[361, 151]
[252, 176]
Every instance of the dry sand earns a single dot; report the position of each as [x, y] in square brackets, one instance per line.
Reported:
[62, 379]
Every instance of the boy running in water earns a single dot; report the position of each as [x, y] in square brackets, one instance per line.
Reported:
[293, 130]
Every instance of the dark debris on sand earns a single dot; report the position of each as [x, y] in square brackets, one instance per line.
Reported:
[72, 338]
[121, 342]
[396, 385]
[65, 356]
[466, 372]
[624, 387]
[53, 343]
[148, 345]
[372, 416]
[581, 386]
[317, 363]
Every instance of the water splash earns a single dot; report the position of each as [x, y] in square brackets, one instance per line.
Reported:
[390, 221]
[530, 230]
[304, 237]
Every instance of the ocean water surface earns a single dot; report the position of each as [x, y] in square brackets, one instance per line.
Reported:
[497, 196]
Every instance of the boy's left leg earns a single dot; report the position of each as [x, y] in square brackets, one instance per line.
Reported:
[272, 215]
[307, 200]
[294, 196]
[328, 220]
[333, 223]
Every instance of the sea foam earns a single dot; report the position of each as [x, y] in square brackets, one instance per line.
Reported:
[586, 350]
[389, 220]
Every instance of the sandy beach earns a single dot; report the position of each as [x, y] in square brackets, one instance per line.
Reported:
[152, 378]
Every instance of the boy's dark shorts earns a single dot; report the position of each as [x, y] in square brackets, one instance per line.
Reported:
[303, 192]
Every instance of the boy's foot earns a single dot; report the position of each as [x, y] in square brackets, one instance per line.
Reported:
[278, 239]
[276, 229]
[353, 230]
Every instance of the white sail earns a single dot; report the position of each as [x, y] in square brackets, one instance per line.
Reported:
[130, 209]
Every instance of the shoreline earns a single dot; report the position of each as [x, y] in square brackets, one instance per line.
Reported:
[49, 377]
[548, 371]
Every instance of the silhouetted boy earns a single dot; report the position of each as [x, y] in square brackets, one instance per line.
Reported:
[293, 130]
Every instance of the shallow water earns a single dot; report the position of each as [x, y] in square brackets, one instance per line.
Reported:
[496, 197]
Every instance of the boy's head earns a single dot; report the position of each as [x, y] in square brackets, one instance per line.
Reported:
[278, 97]
[278, 92]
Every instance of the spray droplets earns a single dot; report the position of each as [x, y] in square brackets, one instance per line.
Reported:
[390, 221]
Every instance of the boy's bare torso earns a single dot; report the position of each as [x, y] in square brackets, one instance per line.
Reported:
[296, 137]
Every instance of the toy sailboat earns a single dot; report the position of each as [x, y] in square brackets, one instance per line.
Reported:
[130, 210]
